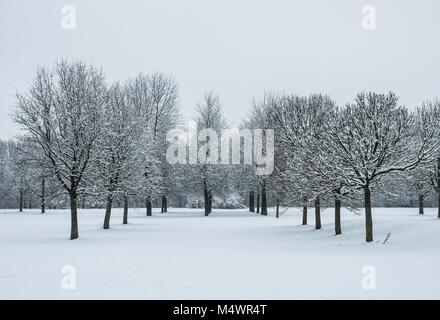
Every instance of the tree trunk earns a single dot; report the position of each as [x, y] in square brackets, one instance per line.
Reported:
[206, 199]
[421, 203]
[438, 204]
[108, 212]
[125, 220]
[73, 216]
[368, 215]
[338, 229]
[258, 202]
[304, 222]
[165, 204]
[210, 201]
[263, 202]
[21, 200]
[438, 187]
[43, 196]
[317, 213]
[148, 206]
[83, 201]
[278, 209]
[251, 201]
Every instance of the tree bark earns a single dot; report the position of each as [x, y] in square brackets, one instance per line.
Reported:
[317, 213]
[368, 215]
[74, 216]
[304, 222]
[263, 202]
[125, 220]
[421, 203]
[148, 207]
[206, 199]
[338, 229]
[251, 201]
[278, 209]
[43, 196]
[210, 201]
[438, 187]
[21, 199]
[258, 202]
[438, 204]
[108, 212]
[165, 203]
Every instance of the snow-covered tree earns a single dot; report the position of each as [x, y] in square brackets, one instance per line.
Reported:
[150, 180]
[428, 129]
[260, 118]
[34, 171]
[208, 174]
[156, 96]
[9, 179]
[117, 155]
[307, 169]
[373, 138]
[62, 112]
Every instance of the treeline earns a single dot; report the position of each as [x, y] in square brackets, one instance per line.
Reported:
[87, 143]
[343, 154]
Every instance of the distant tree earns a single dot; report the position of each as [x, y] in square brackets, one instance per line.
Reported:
[427, 175]
[209, 174]
[156, 96]
[150, 181]
[435, 182]
[288, 114]
[34, 171]
[117, 155]
[11, 184]
[260, 119]
[301, 133]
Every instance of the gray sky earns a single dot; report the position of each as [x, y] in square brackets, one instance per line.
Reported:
[238, 49]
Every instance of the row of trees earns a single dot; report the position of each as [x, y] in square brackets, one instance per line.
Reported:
[86, 138]
[343, 153]
[97, 144]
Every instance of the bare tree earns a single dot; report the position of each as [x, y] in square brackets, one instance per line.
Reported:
[260, 118]
[34, 171]
[62, 112]
[300, 124]
[373, 138]
[156, 96]
[117, 154]
[209, 116]
[427, 175]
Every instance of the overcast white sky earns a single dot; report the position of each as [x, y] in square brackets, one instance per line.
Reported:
[238, 49]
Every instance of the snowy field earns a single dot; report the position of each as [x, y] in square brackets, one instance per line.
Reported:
[232, 254]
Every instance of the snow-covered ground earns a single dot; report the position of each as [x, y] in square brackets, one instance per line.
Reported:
[232, 254]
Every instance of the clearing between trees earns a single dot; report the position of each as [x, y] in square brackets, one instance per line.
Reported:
[233, 254]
